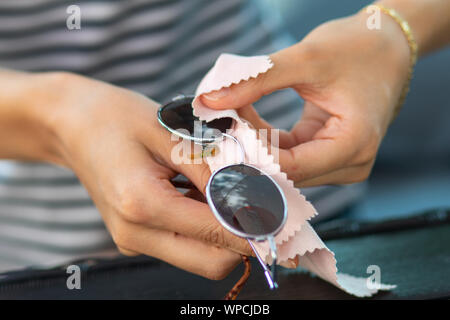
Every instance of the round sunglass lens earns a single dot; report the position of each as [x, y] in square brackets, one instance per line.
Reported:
[247, 200]
[177, 115]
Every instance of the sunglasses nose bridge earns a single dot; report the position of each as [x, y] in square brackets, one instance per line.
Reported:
[239, 144]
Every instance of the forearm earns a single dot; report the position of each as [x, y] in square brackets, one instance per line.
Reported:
[428, 19]
[24, 134]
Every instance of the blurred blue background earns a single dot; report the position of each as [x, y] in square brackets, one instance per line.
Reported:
[412, 172]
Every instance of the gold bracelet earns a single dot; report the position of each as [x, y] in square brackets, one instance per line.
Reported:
[413, 48]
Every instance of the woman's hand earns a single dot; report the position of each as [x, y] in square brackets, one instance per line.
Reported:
[351, 79]
[111, 139]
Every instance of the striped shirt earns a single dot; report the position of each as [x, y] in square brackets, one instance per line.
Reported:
[157, 47]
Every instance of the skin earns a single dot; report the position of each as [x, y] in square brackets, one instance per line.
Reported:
[350, 77]
[111, 139]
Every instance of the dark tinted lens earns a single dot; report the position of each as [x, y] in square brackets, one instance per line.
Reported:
[247, 200]
[178, 115]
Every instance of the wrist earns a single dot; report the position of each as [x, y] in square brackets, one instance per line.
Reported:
[390, 41]
[25, 108]
[387, 31]
[413, 13]
[380, 10]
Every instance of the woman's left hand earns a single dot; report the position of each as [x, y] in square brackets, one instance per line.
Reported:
[351, 79]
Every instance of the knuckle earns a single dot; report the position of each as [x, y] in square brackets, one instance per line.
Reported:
[215, 234]
[217, 273]
[367, 154]
[204, 177]
[220, 267]
[126, 252]
[298, 176]
[362, 175]
[293, 168]
[248, 251]
[64, 77]
[219, 236]
[122, 238]
[132, 208]
[367, 147]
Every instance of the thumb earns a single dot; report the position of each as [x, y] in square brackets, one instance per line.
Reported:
[248, 91]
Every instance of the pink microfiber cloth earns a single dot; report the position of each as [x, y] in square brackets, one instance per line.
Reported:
[297, 238]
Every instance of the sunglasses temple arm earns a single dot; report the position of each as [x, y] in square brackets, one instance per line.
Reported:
[267, 272]
[273, 252]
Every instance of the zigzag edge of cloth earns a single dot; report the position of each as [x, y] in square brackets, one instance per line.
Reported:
[297, 238]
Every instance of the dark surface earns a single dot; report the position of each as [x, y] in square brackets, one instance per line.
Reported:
[417, 261]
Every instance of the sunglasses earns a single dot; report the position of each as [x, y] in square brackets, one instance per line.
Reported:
[244, 199]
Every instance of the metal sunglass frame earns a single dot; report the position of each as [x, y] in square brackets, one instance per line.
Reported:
[269, 274]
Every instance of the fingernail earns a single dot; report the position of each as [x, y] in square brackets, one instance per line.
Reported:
[289, 264]
[217, 95]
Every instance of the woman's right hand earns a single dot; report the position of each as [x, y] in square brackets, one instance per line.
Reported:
[111, 139]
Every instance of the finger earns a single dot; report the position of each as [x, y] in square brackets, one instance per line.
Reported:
[312, 120]
[191, 255]
[150, 199]
[177, 154]
[141, 193]
[129, 253]
[280, 76]
[343, 176]
[168, 152]
[250, 114]
[172, 211]
[331, 148]
[195, 195]
[290, 263]
[198, 173]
